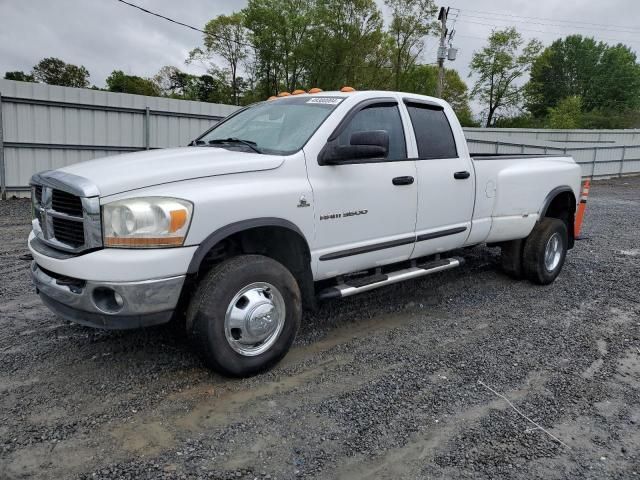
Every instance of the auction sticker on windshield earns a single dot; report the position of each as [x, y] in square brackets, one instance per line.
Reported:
[325, 100]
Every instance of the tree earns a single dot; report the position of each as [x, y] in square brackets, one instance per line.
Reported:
[225, 37]
[279, 34]
[423, 79]
[56, 72]
[173, 82]
[411, 21]
[118, 81]
[338, 23]
[566, 114]
[498, 67]
[212, 87]
[605, 77]
[19, 76]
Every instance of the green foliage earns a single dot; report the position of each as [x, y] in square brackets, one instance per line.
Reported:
[499, 66]
[346, 45]
[411, 21]
[56, 72]
[605, 77]
[225, 37]
[213, 88]
[523, 120]
[423, 79]
[19, 76]
[566, 114]
[611, 118]
[332, 43]
[279, 31]
[118, 81]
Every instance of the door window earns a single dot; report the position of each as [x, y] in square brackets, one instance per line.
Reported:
[433, 132]
[379, 117]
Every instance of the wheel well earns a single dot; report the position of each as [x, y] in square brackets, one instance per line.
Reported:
[277, 242]
[563, 207]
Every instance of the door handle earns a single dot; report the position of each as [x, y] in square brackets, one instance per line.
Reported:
[461, 175]
[402, 180]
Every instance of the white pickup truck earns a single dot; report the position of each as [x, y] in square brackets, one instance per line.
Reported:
[285, 202]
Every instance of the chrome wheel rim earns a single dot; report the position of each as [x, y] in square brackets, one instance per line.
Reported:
[553, 252]
[254, 319]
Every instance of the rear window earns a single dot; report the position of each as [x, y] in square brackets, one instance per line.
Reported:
[433, 132]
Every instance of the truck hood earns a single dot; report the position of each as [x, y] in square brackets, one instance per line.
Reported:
[130, 171]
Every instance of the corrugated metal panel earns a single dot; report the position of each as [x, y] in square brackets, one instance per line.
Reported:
[624, 136]
[47, 127]
[38, 119]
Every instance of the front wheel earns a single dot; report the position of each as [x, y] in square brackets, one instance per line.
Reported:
[244, 315]
[545, 250]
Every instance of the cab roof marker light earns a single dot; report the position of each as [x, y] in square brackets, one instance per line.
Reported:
[346, 89]
[315, 90]
[284, 94]
[298, 92]
[272, 97]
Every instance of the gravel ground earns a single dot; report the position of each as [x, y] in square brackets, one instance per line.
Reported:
[382, 385]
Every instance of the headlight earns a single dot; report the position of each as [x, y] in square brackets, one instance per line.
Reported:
[148, 222]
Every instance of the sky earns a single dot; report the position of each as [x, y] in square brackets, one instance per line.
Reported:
[104, 35]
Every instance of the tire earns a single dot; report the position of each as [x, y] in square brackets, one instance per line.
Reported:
[240, 334]
[538, 267]
[511, 258]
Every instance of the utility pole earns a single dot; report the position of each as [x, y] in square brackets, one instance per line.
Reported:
[442, 49]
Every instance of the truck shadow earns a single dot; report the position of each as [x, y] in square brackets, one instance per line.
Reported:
[168, 344]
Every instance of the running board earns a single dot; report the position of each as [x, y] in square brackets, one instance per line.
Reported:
[369, 283]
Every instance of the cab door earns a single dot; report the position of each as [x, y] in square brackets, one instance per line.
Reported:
[445, 181]
[364, 209]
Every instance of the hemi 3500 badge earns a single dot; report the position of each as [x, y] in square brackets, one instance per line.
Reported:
[352, 213]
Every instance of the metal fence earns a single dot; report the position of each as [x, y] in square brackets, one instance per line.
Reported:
[623, 136]
[46, 127]
[596, 160]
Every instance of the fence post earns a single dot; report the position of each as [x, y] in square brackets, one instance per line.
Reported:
[497, 144]
[3, 171]
[147, 128]
[624, 151]
[593, 162]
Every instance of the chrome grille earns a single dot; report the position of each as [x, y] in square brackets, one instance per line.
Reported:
[66, 203]
[68, 231]
[62, 218]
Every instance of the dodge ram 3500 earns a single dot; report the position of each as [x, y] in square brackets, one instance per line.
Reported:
[285, 202]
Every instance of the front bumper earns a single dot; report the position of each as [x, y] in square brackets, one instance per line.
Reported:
[111, 305]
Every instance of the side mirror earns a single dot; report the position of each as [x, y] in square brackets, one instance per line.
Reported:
[362, 146]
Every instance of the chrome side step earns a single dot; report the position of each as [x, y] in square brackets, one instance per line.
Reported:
[362, 285]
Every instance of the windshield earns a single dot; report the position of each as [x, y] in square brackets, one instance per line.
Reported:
[280, 126]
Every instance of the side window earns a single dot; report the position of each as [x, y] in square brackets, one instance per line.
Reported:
[433, 132]
[379, 117]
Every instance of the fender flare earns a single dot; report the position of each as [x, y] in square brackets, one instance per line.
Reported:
[207, 244]
[550, 196]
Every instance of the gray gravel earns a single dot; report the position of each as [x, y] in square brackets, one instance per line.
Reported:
[383, 385]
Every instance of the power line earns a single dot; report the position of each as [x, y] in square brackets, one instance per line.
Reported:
[637, 32]
[219, 37]
[499, 14]
[543, 31]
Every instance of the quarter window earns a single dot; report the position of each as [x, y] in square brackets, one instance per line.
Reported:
[379, 117]
[433, 132]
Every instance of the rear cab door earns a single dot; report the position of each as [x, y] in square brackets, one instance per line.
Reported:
[445, 177]
[363, 218]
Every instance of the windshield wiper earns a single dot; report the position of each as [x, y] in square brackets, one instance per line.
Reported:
[247, 143]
